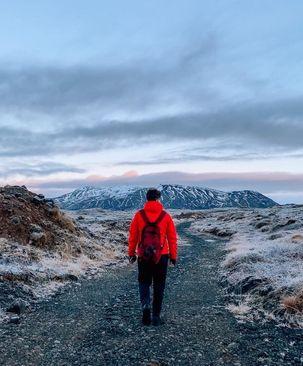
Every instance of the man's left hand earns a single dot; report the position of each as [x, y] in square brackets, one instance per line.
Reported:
[173, 261]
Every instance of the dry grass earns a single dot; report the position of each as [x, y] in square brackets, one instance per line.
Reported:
[55, 213]
[236, 261]
[297, 239]
[293, 304]
[64, 221]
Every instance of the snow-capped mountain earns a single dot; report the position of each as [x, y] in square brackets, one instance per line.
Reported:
[173, 197]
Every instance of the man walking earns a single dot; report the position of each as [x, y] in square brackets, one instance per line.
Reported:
[153, 237]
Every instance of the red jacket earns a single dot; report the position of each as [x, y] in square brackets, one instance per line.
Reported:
[167, 229]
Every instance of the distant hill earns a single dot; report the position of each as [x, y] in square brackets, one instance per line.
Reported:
[173, 197]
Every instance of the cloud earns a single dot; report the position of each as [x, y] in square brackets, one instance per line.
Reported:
[176, 99]
[40, 169]
[268, 125]
[132, 85]
[76, 102]
[196, 156]
[195, 55]
[62, 90]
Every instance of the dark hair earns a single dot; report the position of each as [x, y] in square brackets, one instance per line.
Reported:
[153, 194]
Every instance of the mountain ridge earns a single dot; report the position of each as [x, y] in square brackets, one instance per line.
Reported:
[174, 196]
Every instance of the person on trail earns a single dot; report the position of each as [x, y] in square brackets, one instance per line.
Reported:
[153, 239]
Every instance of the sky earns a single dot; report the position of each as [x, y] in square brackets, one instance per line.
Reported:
[147, 92]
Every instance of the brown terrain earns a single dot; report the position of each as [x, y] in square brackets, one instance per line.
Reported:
[29, 218]
[43, 248]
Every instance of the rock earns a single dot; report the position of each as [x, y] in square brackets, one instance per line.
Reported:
[35, 228]
[219, 232]
[275, 236]
[248, 284]
[37, 200]
[289, 224]
[37, 234]
[154, 363]
[296, 226]
[260, 224]
[17, 307]
[49, 202]
[16, 220]
[15, 319]
[71, 277]
[225, 233]
[232, 346]
[265, 291]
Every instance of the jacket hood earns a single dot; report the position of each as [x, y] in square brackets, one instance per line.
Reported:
[153, 206]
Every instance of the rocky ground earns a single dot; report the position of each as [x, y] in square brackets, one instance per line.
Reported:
[98, 322]
[246, 263]
[43, 248]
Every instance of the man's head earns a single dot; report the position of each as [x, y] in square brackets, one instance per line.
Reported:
[153, 194]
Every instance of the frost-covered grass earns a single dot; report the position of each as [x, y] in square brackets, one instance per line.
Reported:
[263, 267]
[103, 244]
[32, 272]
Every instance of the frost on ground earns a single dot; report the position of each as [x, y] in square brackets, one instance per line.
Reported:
[43, 248]
[263, 267]
[107, 231]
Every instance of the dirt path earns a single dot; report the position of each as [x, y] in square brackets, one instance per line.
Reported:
[98, 323]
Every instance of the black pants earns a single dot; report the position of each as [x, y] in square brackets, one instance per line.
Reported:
[149, 273]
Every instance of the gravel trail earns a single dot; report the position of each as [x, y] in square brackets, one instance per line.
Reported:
[97, 322]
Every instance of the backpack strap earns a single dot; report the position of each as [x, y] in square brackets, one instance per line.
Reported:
[161, 217]
[144, 216]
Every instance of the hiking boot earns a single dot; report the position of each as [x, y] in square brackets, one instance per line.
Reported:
[157, 320]
[146, 320]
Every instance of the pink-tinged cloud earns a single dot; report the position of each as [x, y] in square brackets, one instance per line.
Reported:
[130, 174]
[282, 186]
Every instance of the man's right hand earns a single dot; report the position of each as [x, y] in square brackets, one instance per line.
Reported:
[132, 259]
